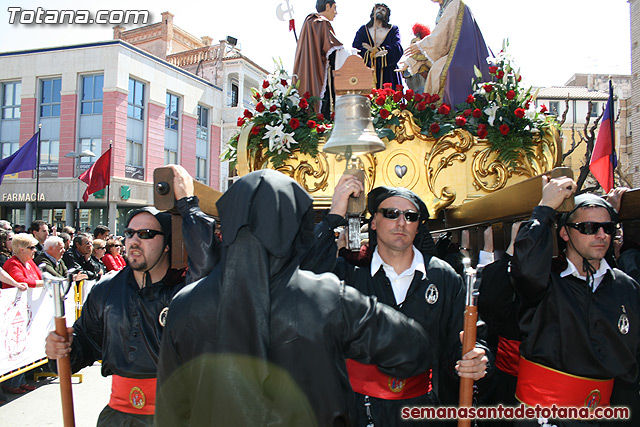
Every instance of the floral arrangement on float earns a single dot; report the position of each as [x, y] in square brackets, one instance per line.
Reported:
[499, 110]
[283, 120]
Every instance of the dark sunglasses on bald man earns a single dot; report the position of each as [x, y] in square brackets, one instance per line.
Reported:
[143, 234]
[590, 228]
[393, 213]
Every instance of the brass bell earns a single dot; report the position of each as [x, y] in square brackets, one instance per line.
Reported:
[353, 127]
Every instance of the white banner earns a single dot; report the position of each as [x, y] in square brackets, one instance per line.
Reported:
[26, 317]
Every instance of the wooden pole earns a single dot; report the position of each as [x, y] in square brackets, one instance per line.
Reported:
[64, 374]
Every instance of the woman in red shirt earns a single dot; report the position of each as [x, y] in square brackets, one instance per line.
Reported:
[21, 266]
[112, 259]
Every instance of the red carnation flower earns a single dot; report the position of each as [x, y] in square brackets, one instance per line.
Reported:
[320, 117]
[435, 97]
[527, 105]
[294, 123]
[248, 114]
[418, 97]
[311, 124]
[470, 99]
[488, 88]
[397, 96]
[389, 92]
[240, 121]
[381, 100]
[444, 109]
[303, 104]
[461, 121]
[268, 95]
[255, 130]
[519, 112]
[273, 108]
[482, 131]
[426, 98]
[306, 95]
[321, 129]
[434, 128]
[504, 129]
[421, 31]
[408, 95]
[399, 88]
[403, 106]
[500, 74]
[433, 106]
[384, 113]
[422, 106]
[493, 70]
[467, 112]
[260, 107]
[283, 82]
[265, 84]
[511, 94]
[543, 109]
[477, 113]
[387, 85]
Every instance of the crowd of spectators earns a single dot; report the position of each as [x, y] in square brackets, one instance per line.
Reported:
[24, 252]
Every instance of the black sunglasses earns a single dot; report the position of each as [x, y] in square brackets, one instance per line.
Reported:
[143, 234]
[590, 228]
[392, 213]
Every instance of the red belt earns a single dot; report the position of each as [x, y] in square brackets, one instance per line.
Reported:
[508, 356]
[133, 395]
[539, 385]
[368, 380]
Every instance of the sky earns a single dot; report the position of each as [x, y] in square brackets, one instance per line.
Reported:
[550, 40]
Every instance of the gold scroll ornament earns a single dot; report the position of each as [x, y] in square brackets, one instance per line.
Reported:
[445, 172]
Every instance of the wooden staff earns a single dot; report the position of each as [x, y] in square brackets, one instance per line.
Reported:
[469, 339]
[64, 364]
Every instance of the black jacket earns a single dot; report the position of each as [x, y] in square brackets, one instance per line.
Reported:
[73, 259]
[567, 326]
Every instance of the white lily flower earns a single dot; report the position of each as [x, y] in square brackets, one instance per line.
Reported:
[491, 112]
[287, 140]
[274, 134]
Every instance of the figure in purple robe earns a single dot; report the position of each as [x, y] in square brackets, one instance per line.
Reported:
[378, 42]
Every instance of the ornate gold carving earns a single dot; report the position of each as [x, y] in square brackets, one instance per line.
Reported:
[455, 168]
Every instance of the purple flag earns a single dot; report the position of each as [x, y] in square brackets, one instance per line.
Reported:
[25, 159]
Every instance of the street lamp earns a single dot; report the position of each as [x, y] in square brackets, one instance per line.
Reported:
[74, 155]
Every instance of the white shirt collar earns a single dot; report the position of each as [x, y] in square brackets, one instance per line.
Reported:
[416, 264]
[571, 270]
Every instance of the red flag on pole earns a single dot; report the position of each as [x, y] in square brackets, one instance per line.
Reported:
[98, 175]
[603, 159]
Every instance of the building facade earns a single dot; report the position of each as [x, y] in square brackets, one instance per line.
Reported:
[574, 99]
[87, 97]
[156, 93]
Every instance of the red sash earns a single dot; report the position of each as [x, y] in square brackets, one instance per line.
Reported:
[539, 385]
[508, 356]
[368, 380]
[133, 395]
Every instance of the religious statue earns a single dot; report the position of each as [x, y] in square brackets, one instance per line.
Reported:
[378, 42]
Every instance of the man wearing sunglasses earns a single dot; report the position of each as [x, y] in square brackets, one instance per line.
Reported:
[123, 318]
[405, 274]
[581, 317]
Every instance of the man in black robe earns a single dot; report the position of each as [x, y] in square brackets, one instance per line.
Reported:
[581, 317]
[261, 341]
[405, 275]
[123, 319]
[378, 42]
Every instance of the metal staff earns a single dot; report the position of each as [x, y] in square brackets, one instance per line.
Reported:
[59, 287]
[469, 338]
